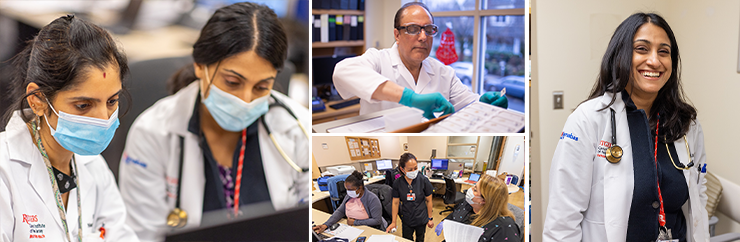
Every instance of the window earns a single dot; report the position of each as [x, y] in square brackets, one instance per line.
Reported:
[489, 43]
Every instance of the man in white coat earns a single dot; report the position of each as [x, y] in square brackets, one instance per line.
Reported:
[404, 74]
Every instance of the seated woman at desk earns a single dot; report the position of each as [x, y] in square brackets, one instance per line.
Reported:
[224, 139]
[360, 206]
[485, 206]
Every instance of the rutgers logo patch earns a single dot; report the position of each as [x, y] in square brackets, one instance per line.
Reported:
[36, 229]
[601, 150]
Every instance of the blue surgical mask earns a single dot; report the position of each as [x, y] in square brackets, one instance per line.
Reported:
[230, 112]
[83, 135]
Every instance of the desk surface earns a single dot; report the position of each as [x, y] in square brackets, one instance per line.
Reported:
[335, 114]
[321, 128]
[319, 217]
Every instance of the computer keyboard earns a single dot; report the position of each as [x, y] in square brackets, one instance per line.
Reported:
[345, 104]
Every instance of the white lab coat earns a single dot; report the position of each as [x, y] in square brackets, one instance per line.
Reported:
[590, 198]
[28, 204]
[149, 166]
[360, 76]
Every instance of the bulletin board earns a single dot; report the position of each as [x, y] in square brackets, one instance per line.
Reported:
[362, 148]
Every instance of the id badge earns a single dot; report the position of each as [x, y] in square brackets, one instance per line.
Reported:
[665, 236]
[410, 196]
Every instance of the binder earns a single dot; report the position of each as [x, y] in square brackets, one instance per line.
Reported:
[325, 4]
[344, 4]
[316, 28]
[353, 28]
[360, 4]
[315, 4]
[325, 28]
[353, 4]
[332, 28]
[347, 27]
[340, 27]
[360, 27]
[335, 4]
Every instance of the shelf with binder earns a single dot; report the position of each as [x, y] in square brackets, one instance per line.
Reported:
[335, 29]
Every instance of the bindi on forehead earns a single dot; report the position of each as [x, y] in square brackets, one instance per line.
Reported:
[103, 74]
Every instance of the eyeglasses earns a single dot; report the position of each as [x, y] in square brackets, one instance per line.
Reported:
[413, 29]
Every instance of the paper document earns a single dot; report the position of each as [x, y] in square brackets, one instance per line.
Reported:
[480, 117]
[346, 232]
[373, 125]
[459, 232]
[381, 238]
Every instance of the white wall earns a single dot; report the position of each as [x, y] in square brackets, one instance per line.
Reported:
[707, 35]
[337, 154]
[379, 22]
[576, 34]
[421, 146]
[509, 163]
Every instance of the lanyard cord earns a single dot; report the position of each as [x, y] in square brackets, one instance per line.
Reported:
[661, 216]
[54, 186]
[239, 173]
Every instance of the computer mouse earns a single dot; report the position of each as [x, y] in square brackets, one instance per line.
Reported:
[333, 227]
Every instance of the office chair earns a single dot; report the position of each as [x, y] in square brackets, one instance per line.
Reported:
[385, 194]
[452, 196]
[518, 215]
[336, 190]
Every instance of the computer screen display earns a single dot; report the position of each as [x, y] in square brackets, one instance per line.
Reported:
[439, 164]
[474, 177]
[384, 164]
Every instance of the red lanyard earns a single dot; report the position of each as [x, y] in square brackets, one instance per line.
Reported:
[239, 173]
[661, 217]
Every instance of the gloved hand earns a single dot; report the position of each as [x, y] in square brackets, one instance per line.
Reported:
[439, 227]
[429, 103]
[495, 98]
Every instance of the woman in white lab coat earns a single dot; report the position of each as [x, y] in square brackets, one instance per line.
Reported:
[54, 185]
[185, 154]
[653, 188]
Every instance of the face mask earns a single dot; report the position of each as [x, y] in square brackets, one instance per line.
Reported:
[230, 112]
[352, 194]
[83, 135]
[469, 196]
[412, 174]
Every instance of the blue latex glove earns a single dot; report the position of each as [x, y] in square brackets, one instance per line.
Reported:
[495, 98]
[439, 228]
[429, 103]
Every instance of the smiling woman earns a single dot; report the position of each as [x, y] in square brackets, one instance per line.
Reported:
[629, 188]
[65, 114]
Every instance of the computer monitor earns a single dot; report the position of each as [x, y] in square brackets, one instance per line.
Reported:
[323, 71]
[384, 164]
[439, 164]
[474, 177]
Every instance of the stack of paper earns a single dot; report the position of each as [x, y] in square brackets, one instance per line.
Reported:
[480, 117]
[459, 232]
[346, 232]
[381, 238]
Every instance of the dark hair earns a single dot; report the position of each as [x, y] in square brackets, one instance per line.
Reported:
[58, 57]
[616, 70]
[355, 179]
[404, 159]
[399, 13]
[234, 29]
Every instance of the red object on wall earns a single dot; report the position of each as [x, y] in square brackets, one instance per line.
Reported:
[446, 51]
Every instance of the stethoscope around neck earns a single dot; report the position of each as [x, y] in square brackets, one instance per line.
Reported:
[177, 218]
[615, 152]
